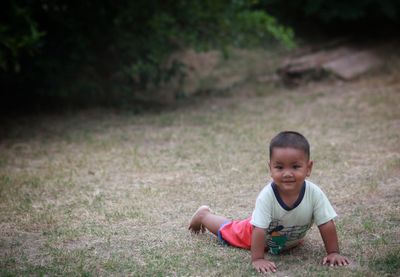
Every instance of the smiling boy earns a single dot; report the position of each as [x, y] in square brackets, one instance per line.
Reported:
[284, 211]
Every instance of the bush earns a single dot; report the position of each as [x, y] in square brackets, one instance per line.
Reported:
[102, 51]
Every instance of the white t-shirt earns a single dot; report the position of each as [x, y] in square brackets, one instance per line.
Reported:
[286, 226]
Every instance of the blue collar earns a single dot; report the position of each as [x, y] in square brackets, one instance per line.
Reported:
[280, 201]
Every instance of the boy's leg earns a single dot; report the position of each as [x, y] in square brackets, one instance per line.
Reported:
[204, 219]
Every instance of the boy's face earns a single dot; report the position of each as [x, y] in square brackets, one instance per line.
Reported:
[289, 168]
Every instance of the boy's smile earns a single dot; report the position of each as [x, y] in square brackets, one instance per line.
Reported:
[289, 168]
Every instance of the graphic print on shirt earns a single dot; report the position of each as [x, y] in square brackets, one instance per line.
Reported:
[277, 241]
[278, 235]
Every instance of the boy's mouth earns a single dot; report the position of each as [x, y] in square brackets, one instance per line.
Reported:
[289, 182]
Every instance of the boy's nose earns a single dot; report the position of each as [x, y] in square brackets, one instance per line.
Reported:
[287, 173]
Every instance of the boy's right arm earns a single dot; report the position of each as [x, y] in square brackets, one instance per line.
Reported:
[257, 252]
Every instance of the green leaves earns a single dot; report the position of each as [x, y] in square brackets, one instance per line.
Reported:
[57, 46]
[18, 35]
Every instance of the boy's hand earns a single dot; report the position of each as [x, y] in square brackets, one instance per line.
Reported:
[264, 266]
[335, 259]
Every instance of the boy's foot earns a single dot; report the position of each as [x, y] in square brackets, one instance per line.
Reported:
[195, 225]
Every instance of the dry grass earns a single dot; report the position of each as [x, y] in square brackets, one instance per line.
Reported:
[111, 193]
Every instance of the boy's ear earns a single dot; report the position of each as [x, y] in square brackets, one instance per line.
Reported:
[309, 167]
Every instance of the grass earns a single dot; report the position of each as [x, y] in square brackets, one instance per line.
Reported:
[110, 193]
[388, 263]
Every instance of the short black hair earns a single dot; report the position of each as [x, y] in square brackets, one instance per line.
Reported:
[290, 139]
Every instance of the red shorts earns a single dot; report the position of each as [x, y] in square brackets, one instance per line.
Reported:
[236, 233]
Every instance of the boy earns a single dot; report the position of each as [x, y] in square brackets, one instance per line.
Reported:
[285, 209]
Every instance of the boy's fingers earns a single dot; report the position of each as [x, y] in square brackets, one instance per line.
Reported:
[335, 262]
[263, 270]
[270, 267]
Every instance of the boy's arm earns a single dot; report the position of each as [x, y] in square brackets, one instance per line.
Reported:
[329, 236]
[257, 251]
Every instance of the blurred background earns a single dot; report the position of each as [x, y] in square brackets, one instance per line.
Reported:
[133, 54]
[119, 118]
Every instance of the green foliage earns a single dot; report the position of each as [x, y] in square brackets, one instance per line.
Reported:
[19, 35]
[252, 25]
[104, 49]
[199, 24]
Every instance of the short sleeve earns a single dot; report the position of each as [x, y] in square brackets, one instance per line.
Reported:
[323, 210]
[261, 216]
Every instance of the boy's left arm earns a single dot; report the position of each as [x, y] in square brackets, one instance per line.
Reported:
[329, 236]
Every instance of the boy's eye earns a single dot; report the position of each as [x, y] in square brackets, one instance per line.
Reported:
[296, 166]
[279, 167]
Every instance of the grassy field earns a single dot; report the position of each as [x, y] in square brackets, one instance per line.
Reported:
[111, 192]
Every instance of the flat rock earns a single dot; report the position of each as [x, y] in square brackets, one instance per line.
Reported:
[345, 62]
[351, 66]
